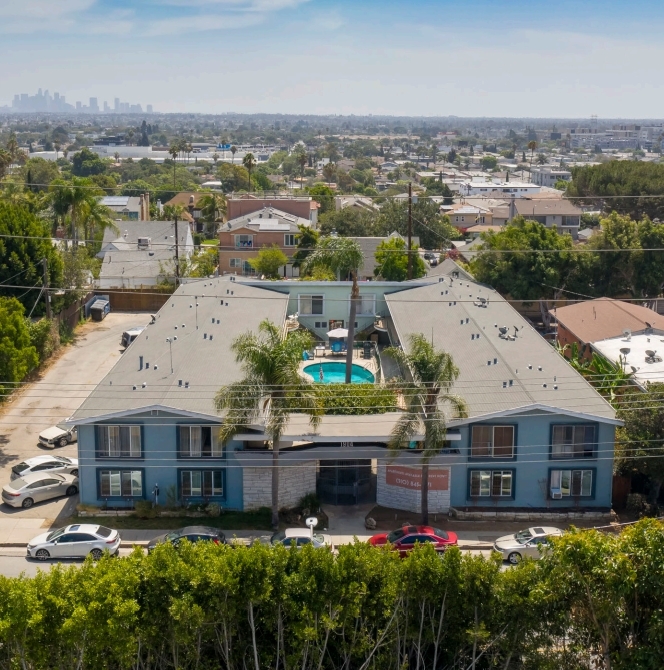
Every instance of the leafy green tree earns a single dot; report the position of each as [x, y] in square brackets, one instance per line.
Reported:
[517, 261]
[233, 177]
[270, 364]
[323, 195]
[433, 229]
[85, 163]
[349, 222]
[392, 260]
[489, 163]
[17, 354]
[344, 257]
[307, 239]
[433, 375]
[435, 186]
[206, 261]
[268, 261]
[38, 173]
[640, 444]
[213, 208]
[24, 241]
[136, 187]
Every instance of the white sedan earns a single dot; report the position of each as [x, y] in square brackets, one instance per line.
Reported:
[530, 542]
[75, 541]
[299, 537]
[57, 435]
[63, 464]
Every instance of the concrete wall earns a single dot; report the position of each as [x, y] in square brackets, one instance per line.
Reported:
[409, 499]
[294, 483]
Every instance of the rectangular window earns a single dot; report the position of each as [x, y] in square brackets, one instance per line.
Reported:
[574, 483]
[491, 483]
[311, 304]
[236, 263]
[119, 442]
[121, 483]
[289, 240]
[492, 442]
[201, 483]
[200, 442]
[242, 241]
[573, 441]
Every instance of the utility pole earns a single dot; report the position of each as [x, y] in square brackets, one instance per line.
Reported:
[45, 288]
[177, 253]
[410, 229]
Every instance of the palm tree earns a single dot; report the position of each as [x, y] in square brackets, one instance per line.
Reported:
[56, 146]
[343, 256]
[302, 160]
[434, 373]
[79, 199]
[270, 388]
[213, 208]
[174, 151]
[233, 152]
[215, 158]
[532, 145]
[249, 163]
[116, 155]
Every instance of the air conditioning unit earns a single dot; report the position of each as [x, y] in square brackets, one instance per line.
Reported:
[556, 494]
[144, 242]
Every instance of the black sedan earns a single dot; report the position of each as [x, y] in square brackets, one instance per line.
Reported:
[190, 533]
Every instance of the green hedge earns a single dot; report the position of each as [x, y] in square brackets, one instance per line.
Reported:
[596, 597]
[356, 398]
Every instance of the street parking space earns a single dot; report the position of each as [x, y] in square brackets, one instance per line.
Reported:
[54, 397]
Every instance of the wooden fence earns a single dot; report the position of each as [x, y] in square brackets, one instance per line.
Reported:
[150, 299]
[70, 316]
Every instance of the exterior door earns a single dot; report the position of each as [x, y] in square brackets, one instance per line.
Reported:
[345, 482]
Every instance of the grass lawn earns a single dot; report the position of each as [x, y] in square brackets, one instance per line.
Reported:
[258, 520]
[211, 243]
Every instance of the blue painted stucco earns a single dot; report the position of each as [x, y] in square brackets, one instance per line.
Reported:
[160, 462]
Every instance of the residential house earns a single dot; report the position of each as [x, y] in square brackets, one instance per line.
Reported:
[463, 216]
[548, 176]
[190, 203]
[128, 208]
[302, 207]
[142, 253]
[498, 189]
[241, 238]
[537, 438]
[358, 202]
[560, 214]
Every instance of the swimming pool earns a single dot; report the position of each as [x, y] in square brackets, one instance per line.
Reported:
[335, 373]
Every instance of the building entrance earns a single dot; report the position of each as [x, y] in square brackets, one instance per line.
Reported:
[348, 482]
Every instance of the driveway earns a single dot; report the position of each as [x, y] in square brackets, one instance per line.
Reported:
[55, 396]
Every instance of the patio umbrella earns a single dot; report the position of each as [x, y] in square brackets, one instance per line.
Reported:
[338, 333]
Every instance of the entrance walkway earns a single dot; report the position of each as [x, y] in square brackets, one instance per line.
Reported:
[347, 521]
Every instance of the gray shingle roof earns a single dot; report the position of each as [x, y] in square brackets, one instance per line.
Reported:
[268, 214]
[206, 364]
[528, 363]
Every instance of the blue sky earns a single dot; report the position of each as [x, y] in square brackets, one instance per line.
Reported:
[461, 57]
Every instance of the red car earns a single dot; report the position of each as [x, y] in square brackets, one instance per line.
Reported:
[404, 539]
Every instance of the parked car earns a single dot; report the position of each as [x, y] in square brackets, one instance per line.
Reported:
[405, 538]
[529, 542]
[299, 537]
[42, 463]
[130, 335]
[191, 533]
[428, 255]
[38, 486]
[75, 541]
[57, 435]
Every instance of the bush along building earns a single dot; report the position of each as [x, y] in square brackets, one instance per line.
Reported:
[538, 438]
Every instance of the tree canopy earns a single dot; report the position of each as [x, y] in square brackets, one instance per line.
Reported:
[18, 356]
[268, 261]
[392, 261]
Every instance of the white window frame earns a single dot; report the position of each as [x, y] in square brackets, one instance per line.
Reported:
[486, 480]
[237, 241]
[310, 297]
[116, 478]
[197, 483]
[562, 481]
[235, 263]
[194, 444]
[113, 446]
[491, 453]
[289, 240]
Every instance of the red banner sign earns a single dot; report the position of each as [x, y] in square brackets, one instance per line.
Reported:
[411, 478]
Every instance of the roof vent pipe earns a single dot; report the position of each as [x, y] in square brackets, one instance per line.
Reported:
[140, 362]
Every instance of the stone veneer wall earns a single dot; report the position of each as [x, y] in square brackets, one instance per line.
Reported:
[408, 499]
[294, 483]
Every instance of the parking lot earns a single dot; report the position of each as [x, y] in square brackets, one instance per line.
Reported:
[60, 390]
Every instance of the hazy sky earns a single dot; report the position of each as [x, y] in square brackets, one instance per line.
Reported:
[416, 57]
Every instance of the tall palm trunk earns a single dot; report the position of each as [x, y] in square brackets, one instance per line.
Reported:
[275, 484]
[354, 295]
[425, 493]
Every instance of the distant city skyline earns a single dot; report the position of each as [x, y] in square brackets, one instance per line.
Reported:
[525, 58]
[43, 101]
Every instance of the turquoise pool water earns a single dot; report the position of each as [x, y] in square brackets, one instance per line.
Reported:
[335, 373]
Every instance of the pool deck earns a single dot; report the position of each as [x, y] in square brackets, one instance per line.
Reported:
[366, 363]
